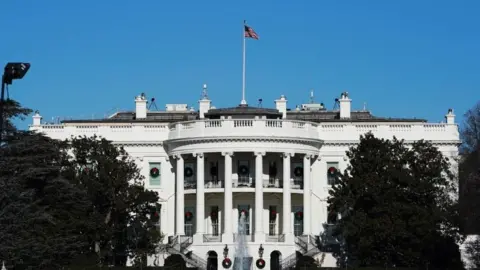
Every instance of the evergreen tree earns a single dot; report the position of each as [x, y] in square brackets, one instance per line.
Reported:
[12, 110]
[43, 217]
[124, 211]
[396, 204]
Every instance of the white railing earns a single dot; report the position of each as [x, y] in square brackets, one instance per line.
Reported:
[243, 127]
[401, 130]
[252, 127]
[189, 230]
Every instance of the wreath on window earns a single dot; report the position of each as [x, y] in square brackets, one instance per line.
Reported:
[214, 215]
[273, 214]
[260, 263]
[213, 171]
[188, 216]
[188, 172]
[154, 172]
[299, 215]
[226, 263]
[244, 212]
[243, 170]
[298, 171]
[332, 171]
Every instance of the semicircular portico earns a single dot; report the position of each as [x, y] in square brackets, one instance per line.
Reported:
[242, 144]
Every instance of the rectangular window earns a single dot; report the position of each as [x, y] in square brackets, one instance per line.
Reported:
[272, 228]
[332, 173]
[244, 210]
[244, 173]
[214, 217]
[155, 173]
[298, 220]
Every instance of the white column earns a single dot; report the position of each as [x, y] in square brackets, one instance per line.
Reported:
[307, 209]
[200, 221]
[287, 199]
[228, 195]
[180, 197]
[259, 230]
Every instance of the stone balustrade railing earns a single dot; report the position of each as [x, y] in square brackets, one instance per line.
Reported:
[345, 131]
[243, 127]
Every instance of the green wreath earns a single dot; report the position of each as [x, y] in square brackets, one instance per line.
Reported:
[154, 172]
[299, 215]
[332, 171]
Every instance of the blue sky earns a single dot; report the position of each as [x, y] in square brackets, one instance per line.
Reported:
[404, 58]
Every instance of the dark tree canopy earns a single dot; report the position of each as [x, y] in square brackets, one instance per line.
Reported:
[43, 216]
[76, 202]
[394, 201]
[12, 110]
[124, 211]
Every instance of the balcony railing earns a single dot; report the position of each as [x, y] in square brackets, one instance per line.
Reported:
[246, 127]
[214, 184]
[272, 182]
[244, 182]
[212, 238]
[298, 229]
[248, 237]
[272, 228]
[189, 229]
[275, 238]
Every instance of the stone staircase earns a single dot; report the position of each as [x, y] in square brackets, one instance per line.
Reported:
[289, 262]
[179, 245]
[308, 245]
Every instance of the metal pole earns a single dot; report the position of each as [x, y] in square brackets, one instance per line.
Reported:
[2, 102]
[244, 101]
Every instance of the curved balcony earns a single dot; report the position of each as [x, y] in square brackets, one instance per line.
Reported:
[244, 127]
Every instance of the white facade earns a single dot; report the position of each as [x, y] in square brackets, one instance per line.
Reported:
[275, 170]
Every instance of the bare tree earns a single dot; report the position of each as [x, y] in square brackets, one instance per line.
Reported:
[470, 181]
[470, 133]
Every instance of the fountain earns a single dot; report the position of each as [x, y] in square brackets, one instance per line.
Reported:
[242, 260]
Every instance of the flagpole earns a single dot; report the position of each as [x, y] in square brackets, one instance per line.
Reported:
[243, 102]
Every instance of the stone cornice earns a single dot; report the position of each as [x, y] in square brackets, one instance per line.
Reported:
[180, 142]
[139, 143]
[355, 142]
[312, 142]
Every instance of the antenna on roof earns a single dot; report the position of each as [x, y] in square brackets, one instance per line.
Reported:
[152, 103]
[336, 105]
[204, 91]
[364, 106]
[260, 102]
[312, 99]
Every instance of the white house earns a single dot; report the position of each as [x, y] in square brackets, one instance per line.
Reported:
[274, 165]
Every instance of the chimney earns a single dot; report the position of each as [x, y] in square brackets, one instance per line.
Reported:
[281, 105]
[450, 117]
[141, 106]
[204, 103]
[37, 119]
[345, 106]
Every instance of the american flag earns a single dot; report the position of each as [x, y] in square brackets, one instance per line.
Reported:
[250, 33]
